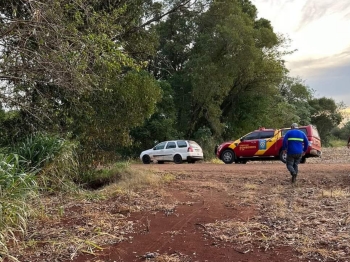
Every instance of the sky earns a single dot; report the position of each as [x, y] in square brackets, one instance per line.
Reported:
[319, 31]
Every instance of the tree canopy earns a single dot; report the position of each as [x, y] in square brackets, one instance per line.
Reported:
[111, 74]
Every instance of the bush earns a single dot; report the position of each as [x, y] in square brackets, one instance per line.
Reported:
[37, 150]
[336, 142]
[40, 162]
[204, 138]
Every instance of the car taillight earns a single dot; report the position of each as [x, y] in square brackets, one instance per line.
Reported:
[190, 149]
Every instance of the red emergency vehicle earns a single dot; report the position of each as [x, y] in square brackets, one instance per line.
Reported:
[265, 144]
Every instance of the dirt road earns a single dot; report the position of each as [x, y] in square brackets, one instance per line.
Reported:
[252, 212]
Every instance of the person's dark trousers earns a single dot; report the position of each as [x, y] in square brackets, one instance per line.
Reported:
[292, 165]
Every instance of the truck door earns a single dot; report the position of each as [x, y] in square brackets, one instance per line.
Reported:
[267, 141]
[249, 145]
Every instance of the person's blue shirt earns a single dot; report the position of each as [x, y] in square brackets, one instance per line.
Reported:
[295, 142]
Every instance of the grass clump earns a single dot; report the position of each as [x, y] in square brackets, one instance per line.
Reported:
[16, 186]
[39, 164]
[336, 193]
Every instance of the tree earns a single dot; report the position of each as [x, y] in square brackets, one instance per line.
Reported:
[161, 125]
[232, 63]
[325, 115]
[295, 93]
[76, 67]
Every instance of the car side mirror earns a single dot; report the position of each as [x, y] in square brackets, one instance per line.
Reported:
[154, 148]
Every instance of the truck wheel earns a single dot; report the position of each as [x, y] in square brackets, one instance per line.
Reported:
[283, 157]
[228, 156]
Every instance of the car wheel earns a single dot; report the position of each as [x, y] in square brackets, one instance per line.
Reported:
[146, 159]
[303, 160]
[177, 159]
[228, 156]
[283, 156]
[160, 162]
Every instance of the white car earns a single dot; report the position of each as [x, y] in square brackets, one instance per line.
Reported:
[175, 151]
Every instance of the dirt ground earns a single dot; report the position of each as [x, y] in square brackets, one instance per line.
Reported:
[205, 197]
[216, 212]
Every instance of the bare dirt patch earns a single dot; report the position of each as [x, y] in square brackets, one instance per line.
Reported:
[210, 212]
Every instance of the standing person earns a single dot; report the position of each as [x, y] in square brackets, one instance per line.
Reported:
[295, 144]
[349, 142]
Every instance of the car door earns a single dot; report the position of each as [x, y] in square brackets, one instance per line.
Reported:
[182, 148]
[249, 145]
[169, 151]
[158, 151]
[267, 141]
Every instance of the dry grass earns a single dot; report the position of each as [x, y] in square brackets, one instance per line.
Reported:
[314, 221]
[90, 221]
[177, 257]
[250, 186]
[312, 217]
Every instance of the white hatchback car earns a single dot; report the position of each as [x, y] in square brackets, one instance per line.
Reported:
[175, 151]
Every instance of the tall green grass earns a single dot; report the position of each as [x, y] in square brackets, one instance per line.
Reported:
[41, 163]
[15, 187]
[38, 150]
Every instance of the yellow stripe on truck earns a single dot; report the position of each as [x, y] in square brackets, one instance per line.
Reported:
[234, 144]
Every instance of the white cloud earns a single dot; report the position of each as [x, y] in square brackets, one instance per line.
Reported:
[320, 31]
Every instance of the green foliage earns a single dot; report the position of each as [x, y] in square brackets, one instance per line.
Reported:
[85, 79]
[14, 180]
[41, 163]
[53, 160]
[62, 172]
[342, 133]
[37, 150]
[295, 93]
[16, 188]
[115, 76]
[110, 115]
[336, 142]
[161, 125]
[228, 65]
[12, 127]
[205, 139]
[325, 115]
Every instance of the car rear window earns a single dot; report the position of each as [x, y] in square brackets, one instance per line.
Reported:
[315, 132]
[193, 143]
[284, 131]
[181, 143]
[303, 130]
